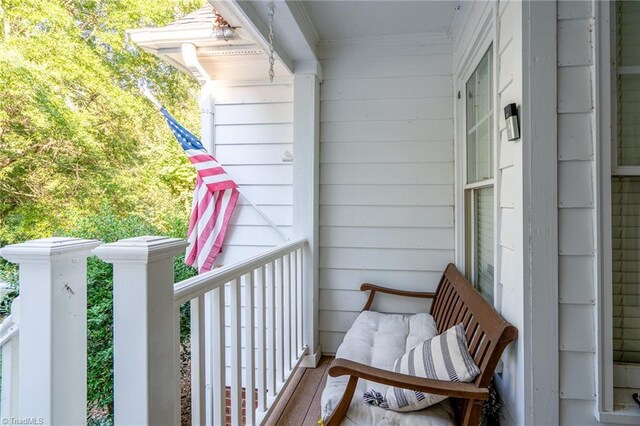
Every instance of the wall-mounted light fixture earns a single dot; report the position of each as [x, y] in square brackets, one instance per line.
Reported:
[513, 125]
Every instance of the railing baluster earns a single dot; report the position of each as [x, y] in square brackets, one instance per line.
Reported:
[261, 340]
[249, 356]
[294, 307]
[198, 381]
[300, 290]
[280, 320]
[218, 356]
[177, 359]
[286, 289]
[294, 297]
[271, 329]
[10, 362]
[236, 354]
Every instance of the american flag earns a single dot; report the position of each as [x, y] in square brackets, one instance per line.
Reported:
[214, 199]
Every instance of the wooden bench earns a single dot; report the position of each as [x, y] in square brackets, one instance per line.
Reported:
[455, 301]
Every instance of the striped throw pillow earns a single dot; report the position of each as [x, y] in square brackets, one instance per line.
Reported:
[444, 357]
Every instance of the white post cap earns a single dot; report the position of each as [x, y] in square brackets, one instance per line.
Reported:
[140, 249]
[46, 248]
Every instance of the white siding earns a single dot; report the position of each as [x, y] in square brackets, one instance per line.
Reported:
[386, 173]
[506, 33]
[576, 214]
[253, 132]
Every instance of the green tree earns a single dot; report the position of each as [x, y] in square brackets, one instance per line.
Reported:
[74, 132]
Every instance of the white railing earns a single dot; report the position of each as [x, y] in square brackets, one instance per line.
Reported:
[265, 292]
[247, 332]
[9, 342]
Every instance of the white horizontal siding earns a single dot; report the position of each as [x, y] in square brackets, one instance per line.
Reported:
[392, 173]
[387, 195]
[386, 109]
[387, 216]
[253, 133]
[386, 174]
[343, 278]
[387, 131]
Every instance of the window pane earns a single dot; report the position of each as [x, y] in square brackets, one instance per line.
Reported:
[483, 242]
[484, 147]
[479, 110]
[628, 33]
[471, 153]
[483, 87]
[625, 220]
[471, 102]
[629, 119]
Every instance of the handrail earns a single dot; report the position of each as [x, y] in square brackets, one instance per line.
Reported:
[193, 287]
[6, 325]
[9, 327]
[11, 332]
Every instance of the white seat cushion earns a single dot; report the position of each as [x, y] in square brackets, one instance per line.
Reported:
[378, 340]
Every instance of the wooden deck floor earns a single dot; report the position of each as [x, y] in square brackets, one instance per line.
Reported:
[300, 402]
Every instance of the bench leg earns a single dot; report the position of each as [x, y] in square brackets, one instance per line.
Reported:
[472, 413]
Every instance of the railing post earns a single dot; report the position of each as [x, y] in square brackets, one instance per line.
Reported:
[53, 328]
[145, 341]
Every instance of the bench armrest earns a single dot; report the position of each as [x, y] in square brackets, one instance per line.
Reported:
[376, 288]
[343, 367]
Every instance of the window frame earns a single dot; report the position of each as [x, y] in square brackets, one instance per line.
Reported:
[464, 202]
[605, 109]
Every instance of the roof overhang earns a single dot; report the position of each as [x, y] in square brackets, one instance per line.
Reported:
[246, 45]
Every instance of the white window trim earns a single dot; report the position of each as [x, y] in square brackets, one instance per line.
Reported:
[605, 36]
[484, 39]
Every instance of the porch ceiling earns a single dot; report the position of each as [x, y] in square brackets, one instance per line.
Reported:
[363, 19]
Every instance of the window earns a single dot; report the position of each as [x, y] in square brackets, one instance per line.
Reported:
[479, 182]
[625, 187]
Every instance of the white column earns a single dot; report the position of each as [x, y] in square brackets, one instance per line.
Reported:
[306, 148]
[53, 328]
[145, 341]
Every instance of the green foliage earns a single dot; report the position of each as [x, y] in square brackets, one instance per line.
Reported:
[73, 128]
[81, 153]
[491, 409]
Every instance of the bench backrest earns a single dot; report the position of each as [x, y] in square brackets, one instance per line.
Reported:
[487, 332]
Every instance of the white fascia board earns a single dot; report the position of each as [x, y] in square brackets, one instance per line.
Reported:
[157, 38]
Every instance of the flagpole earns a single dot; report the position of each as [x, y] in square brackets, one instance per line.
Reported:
[263, 214]
[147, 94]
[144, 88]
